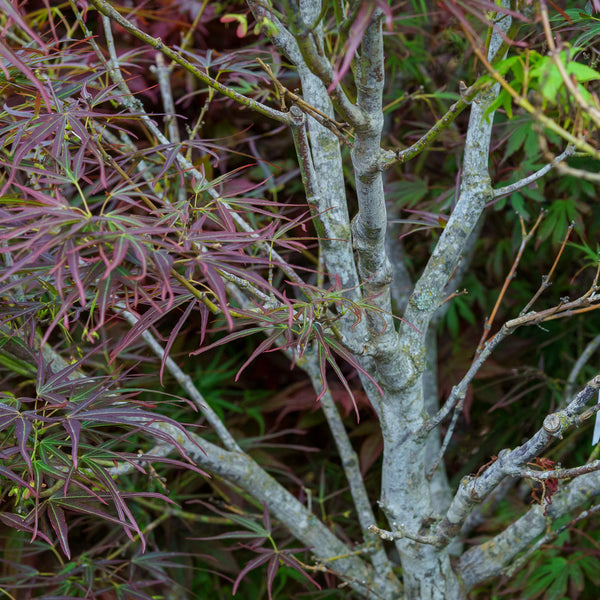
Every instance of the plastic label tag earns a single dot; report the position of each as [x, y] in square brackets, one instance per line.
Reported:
[596, 437]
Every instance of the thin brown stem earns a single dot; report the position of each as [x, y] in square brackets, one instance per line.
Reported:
[526, 236]
[546, 279]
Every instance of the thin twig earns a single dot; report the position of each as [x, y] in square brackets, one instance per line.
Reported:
[555, 162]
[185, 381]
[584, 357]
[565, 308]
[162, 75]
[525, 237]
[547, 279]
[338, 128]
[401, 532]
[547, 538]
[556, 473]
[390, 158]
[107, 10]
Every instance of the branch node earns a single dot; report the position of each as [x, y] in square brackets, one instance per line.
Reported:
[552, 425]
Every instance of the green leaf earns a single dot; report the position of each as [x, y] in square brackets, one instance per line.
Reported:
[558, 587]
[532, 144]
[582, 72]
[410, 193]
[518, 203]
[516, 139]
[452, 321]
[464, 310]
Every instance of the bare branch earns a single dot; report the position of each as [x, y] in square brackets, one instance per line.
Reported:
[400, 532]
[474, 489]
[558, 473]
[350, 465]
[584, 357]
[525, 238]
[319, 65]
[490, 558]
[389, 158]
[517, 185]
[107, 10]
[162, 74]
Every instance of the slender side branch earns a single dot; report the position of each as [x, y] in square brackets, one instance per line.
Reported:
[547, 279]
[474, 489]
[559, 473]
[459, 391]
[162, 74]
[106, 9]
[525, 238]
[580, 363]
[350, 465]
[389, 158]
[185, 381]
[319, 65]
[490, 558]
[517, 185]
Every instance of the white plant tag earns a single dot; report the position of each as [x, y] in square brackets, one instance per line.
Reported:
[596, 437]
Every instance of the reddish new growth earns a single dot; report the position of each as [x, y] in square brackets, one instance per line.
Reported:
[547, 487]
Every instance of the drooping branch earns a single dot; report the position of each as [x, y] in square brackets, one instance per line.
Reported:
[188, 168]
[239, 469]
